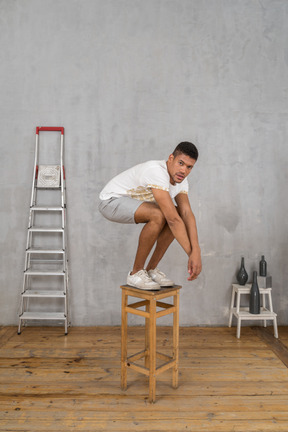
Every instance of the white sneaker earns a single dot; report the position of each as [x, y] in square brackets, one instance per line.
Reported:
[142, 280]
[160, 277]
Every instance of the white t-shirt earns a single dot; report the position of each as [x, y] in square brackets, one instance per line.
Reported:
[137, 182]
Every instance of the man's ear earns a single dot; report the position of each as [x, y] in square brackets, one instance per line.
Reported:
[171, 157]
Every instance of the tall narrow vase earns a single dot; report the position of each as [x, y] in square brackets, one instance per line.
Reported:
[254, 304]
[242, 275]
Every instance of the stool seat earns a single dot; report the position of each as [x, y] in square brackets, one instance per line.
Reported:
[151, 300]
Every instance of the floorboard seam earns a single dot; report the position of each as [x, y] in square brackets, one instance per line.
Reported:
[274, 344]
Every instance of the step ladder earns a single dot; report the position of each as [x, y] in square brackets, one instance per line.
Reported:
[44, 294]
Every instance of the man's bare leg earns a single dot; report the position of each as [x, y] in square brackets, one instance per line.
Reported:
[164, 240]
[151, 215]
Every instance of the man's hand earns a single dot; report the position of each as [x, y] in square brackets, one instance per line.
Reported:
[194, 264]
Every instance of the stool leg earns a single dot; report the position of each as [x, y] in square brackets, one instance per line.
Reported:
[152, 351]
[264, 307]
[124, 342]
[238, 327]
[275, 328]
[176, 340]
[237, 311]
[147, 337]
[231, 307]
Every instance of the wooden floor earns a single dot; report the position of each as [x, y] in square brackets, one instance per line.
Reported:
[51, 382]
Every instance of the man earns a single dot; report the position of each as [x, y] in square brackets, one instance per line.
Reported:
[145, 194]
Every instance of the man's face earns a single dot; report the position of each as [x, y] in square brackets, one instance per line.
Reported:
[179, 167]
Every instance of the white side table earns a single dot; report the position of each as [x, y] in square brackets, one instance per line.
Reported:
[242, 313]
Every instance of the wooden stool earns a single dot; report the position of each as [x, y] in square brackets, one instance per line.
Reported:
[151, 300]
[242, 313]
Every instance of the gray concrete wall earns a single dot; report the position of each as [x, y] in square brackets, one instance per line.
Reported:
[129, 79]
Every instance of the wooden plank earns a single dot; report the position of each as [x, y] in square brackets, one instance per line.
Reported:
[171, 415]
[18, 375]
[178, 425]
[79, 353]
[138, 386]
[168, 403]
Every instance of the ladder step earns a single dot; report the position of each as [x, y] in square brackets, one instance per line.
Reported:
[47, 208]
[46, 229]
[45, 251]
[44, 293]
[32, 272]
[42, 316]
[41, 262]
[48, 188]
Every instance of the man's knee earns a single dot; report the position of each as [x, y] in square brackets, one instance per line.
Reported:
[157, 217]
[149, 212]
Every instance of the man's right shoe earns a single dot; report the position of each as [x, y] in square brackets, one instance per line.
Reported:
[160, 277]
[142, 280]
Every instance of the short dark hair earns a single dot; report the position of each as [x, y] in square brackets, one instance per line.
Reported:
[187, 148]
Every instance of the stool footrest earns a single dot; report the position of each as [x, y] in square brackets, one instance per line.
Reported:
[134, 311]
[137, 356]
[163, 356]
[167, 311]
[138, 304]
[139, 368]
[165, 367]
[170, 362]
[163, 305]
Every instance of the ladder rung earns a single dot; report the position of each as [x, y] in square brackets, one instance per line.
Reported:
[44, 293]
[30, 272]
[46, 261]
[48, 188]
[42, 316]
[47, 208]
[45, 251]
[46, 229]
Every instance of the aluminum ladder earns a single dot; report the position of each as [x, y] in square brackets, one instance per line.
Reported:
[44, 295]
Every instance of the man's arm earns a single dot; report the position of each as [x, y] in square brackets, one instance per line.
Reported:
[177, 226]
[185, 211]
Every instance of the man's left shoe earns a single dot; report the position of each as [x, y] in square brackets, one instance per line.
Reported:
[160, 277]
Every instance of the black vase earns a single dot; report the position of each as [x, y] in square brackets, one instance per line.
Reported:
[242, 275]
[254, 303]
[263, 267]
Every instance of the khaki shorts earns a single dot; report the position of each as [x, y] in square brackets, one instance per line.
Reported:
[120, 210]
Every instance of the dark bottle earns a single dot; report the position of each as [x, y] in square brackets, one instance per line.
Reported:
[242, 275]
[263, 267]
[254, 304]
